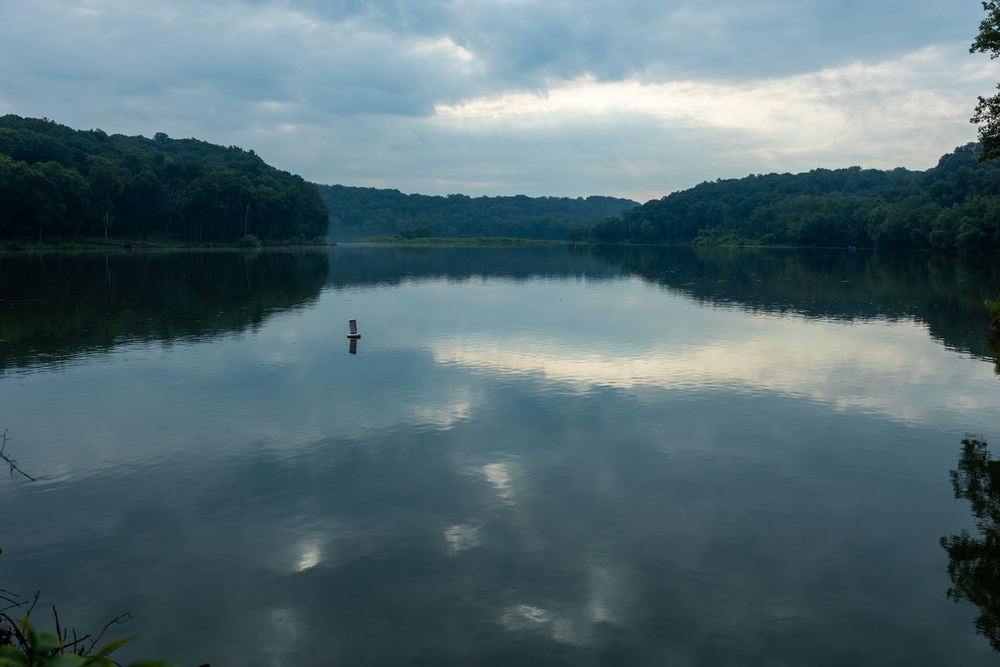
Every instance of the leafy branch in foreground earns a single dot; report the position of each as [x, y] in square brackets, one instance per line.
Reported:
[46, 649]
[987, 114]
[22, 646]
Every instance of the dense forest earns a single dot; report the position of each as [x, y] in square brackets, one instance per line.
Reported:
[358, 213]
[59, 182]
[955, 205]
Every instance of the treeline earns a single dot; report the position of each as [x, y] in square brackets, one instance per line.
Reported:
[955, 205]
[59, 182]
[358, 213]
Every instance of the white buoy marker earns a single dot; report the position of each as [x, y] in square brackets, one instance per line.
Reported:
[354, 329]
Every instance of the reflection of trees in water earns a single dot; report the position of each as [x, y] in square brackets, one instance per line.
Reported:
[993, 351]
[945, 292]
[63, 305]
[974, 561]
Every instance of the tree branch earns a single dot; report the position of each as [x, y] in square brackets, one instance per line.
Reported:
[9, 461]
[117, 620]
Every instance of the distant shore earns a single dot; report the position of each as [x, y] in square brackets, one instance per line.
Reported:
[90, 244]
[473, 240]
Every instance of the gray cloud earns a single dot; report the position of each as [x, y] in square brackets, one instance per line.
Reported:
[351, 91]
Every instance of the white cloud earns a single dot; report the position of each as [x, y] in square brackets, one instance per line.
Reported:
[877, 114]
[633, 98]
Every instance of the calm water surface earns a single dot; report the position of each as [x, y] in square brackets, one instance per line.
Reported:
[533, 456]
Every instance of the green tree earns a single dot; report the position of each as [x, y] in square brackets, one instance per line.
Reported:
[577, 233]
[106, 185]
[145, 195]
[610, 230]
[987, 114]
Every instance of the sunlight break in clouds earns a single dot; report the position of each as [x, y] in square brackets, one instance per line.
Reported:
[882, 106]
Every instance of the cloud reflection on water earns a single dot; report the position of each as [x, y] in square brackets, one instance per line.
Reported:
[498, 475]
[849, 367]
[460, 537]
[660, 484]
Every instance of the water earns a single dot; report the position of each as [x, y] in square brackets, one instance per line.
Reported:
[535, 455]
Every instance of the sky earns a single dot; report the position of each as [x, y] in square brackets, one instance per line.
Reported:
[628, 98]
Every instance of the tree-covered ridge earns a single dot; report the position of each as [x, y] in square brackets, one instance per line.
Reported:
[57, 181]
[357, 213]
[955, 205]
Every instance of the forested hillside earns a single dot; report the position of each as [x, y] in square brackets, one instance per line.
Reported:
[357, 213]
[955, 205]
[59, 182]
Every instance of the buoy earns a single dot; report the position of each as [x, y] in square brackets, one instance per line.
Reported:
[354, 329]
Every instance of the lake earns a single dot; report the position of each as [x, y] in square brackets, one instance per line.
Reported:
[533, 456]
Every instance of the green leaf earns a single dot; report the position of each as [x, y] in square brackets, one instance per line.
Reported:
[45, 642]
[113, 646]
[11, 657]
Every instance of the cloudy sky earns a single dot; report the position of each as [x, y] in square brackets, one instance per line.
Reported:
[633, 98]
